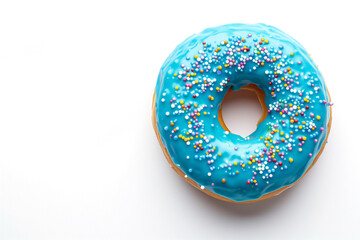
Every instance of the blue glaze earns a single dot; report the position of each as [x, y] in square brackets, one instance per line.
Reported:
[218, 164]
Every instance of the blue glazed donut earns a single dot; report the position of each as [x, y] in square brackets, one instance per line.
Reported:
[190, 89]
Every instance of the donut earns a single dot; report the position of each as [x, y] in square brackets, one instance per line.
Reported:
[186, 111]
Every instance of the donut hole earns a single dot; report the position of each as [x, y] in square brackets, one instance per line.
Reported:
[242, 111]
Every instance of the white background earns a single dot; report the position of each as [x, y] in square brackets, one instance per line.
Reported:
[79, 158]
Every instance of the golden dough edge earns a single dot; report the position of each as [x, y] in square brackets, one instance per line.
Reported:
[261, 97]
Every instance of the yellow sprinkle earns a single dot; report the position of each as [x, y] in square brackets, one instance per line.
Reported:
[235, 163]
[291, 160]
[220, 154]
[318, 117]
[175, 74]
[176, 88]
[304, 138]
[243, 165]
